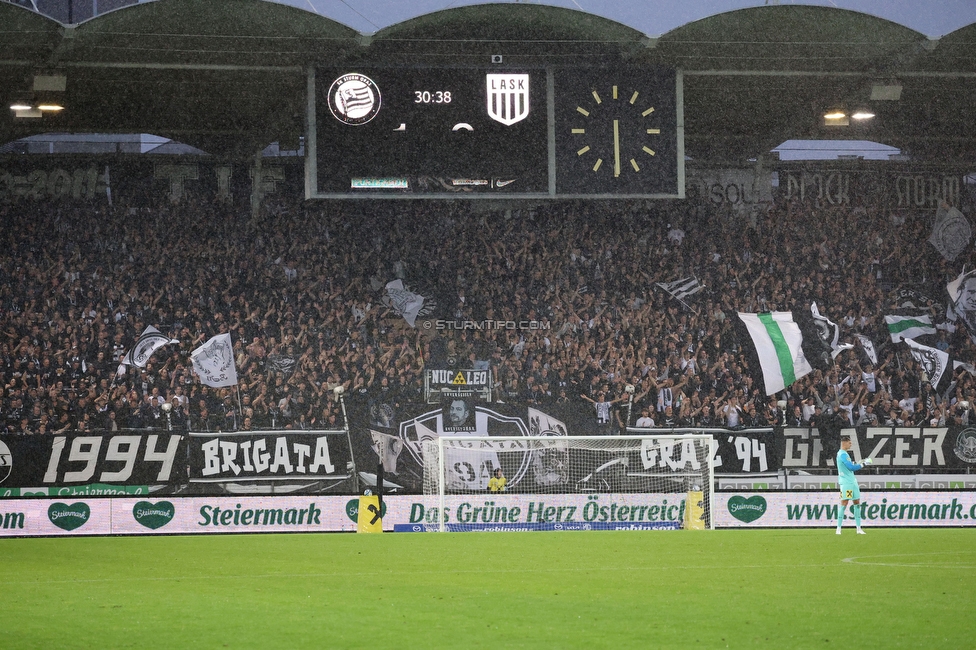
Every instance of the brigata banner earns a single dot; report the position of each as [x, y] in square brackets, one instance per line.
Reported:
[819, 509]
[271, 461]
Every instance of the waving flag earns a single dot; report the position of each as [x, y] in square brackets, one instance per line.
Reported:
[951, 232]
[778, 344]
[934, 362]
[868, 346]
[829, 332]
[908, 327]
[683, 288]
[403, 301]
[150, 341]
[214, 362]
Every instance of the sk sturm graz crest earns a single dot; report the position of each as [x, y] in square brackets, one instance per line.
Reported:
[6, 462]
[354, 99]
[508, 97]
[966, 445]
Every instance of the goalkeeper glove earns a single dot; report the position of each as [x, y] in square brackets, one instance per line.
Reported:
[867, 461]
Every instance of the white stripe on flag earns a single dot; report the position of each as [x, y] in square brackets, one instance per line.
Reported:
[908, 327]
[778, 343]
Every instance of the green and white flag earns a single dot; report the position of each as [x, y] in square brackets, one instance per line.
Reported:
[908, 327]
[778, 343]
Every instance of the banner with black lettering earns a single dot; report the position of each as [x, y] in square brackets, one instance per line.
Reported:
[92, 464]
[270, 462]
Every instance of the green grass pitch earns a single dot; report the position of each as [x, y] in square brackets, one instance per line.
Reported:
[774, 588]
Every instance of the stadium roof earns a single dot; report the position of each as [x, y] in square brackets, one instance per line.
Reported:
[229, 76]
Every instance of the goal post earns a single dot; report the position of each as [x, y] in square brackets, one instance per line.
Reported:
[624, 482]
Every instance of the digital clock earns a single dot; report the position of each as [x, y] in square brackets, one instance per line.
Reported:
[432, 97]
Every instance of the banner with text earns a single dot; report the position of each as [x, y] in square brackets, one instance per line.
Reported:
[819, 509]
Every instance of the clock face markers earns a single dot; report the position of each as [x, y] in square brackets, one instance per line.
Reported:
[616, 148]
[625, 124]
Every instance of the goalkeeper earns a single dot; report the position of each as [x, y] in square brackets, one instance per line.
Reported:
[849, 491]
[497, 482]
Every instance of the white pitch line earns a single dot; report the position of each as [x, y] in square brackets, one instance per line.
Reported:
[858, 559]
[425, 571]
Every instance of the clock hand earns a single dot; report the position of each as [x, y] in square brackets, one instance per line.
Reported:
[616, 148]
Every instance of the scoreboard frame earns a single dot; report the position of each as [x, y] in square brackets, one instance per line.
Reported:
[582, 133]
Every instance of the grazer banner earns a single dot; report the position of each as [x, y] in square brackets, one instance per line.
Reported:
[819, 509]
[285, 461]
[903, 448]
[92, 463]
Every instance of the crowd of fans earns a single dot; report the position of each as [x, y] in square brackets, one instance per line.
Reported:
[300, 289]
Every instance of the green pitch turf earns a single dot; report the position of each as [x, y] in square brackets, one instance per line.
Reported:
[781, 589]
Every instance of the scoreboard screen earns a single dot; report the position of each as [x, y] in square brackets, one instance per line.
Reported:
[486, 132]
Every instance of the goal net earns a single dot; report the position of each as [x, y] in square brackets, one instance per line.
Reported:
[634, 482]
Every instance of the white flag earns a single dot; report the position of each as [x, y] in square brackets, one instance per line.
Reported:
[778, 343]
[388, 449]
[908, 327]
[933, 361]
[404, 302]
[150, 341]
[214, 362]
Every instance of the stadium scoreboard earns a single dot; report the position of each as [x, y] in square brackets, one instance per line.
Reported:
[487, 132]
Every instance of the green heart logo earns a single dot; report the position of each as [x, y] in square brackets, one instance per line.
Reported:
[68, 517]
[352, 510]
[154, 515]
[747, 510]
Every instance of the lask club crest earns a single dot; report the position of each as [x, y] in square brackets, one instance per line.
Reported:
[508, 97]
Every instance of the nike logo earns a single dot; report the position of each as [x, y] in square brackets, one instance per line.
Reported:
[501, 183]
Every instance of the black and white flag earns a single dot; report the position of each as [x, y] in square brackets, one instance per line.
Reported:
[951, 232]
[828, 331]
[150, 341]
[934, 361]
[962, 301]
[214, 362]
[868, 346]
[681, 289]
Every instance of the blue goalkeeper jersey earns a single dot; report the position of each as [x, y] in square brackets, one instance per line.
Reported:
[846, 468]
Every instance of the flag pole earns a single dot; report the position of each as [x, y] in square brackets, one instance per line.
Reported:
[240, 410]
